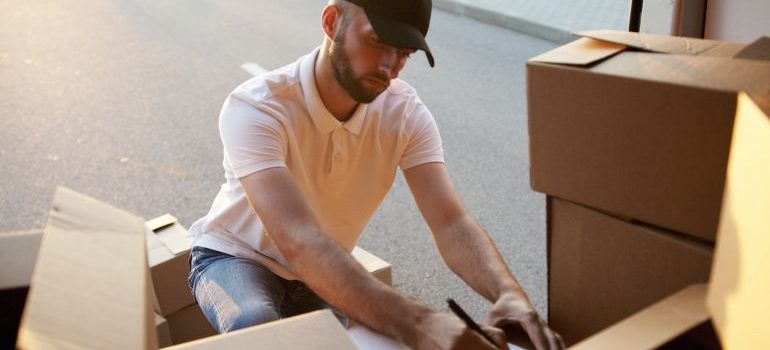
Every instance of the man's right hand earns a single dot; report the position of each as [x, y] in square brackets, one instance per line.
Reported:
[444, 332]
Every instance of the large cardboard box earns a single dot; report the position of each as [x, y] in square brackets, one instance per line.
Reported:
[738, 298]
[90, 287]
[315, 330]
[602, 269]
[18, 252]
[638, 125]
[168, 253]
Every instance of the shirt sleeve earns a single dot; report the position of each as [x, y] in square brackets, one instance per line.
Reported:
[253, 139]
[424, 141]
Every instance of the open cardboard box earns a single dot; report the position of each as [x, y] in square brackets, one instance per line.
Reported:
[737, 299]
[640, 125]
[91, 286]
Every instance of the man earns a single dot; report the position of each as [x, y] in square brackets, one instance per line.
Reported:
[310, 151]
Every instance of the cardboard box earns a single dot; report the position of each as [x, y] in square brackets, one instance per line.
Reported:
[189, 324]
[315, 330]
[18, 252]
[90, 287]
[739, 296]
[603, 269]
[379, 268]
[164, 333]
[644, 134]
[168, 253]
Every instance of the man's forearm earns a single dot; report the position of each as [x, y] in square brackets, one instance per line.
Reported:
[470, 254]
[338, 279]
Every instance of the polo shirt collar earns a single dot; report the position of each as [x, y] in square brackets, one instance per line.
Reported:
[322, 118]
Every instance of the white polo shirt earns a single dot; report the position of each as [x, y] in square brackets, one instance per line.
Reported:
[344, 169]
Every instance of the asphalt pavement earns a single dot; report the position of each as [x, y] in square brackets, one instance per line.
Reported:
[120, 99]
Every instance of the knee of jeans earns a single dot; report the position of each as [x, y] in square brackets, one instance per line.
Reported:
[251, 314]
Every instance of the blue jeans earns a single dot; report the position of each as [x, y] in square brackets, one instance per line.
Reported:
[235, 293]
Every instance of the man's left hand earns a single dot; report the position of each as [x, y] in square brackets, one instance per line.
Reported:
[522, 324]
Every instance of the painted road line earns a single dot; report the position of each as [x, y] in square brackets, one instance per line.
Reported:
[253, 68]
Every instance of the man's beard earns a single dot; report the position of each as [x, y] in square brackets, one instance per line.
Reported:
[343, 73]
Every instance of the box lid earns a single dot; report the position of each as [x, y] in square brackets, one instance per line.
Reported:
[655, 325]
[740, 284]
[315, 330]
[653, 42]
[580, 52]
[90, 288]
[596, 45]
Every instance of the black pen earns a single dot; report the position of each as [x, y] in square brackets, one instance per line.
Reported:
[457, 310]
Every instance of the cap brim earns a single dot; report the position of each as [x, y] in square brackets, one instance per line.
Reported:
[398, 34]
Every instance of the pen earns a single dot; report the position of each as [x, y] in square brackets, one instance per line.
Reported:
[457, 310]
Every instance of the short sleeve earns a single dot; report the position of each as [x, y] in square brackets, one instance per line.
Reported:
[424, 141]
[253, 139]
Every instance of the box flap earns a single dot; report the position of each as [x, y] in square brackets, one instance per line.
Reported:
[18, 252]
[369, 261]
[714, 73]
[655, 325]
[653, 42]
[758, 50]
[583, 51]
[161, 221]
[171, 233]
[175, 238]
[315, 330]
[90, 287]
[740, 284]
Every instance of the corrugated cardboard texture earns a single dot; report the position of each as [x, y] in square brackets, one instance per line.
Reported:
[602, 269]
[739, 296]
[655, 325]
[189, 324]
[643, 135]
[315, 330]
[89, 289]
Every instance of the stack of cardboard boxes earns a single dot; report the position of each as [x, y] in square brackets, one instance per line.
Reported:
[179, 319]
[737, 299]
[629, 138]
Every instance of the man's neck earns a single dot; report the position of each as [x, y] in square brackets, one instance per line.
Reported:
[334, 97]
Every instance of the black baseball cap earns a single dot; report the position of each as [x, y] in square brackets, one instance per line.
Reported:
[400, 23]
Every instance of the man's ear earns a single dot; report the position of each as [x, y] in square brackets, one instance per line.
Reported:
[330, 18]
